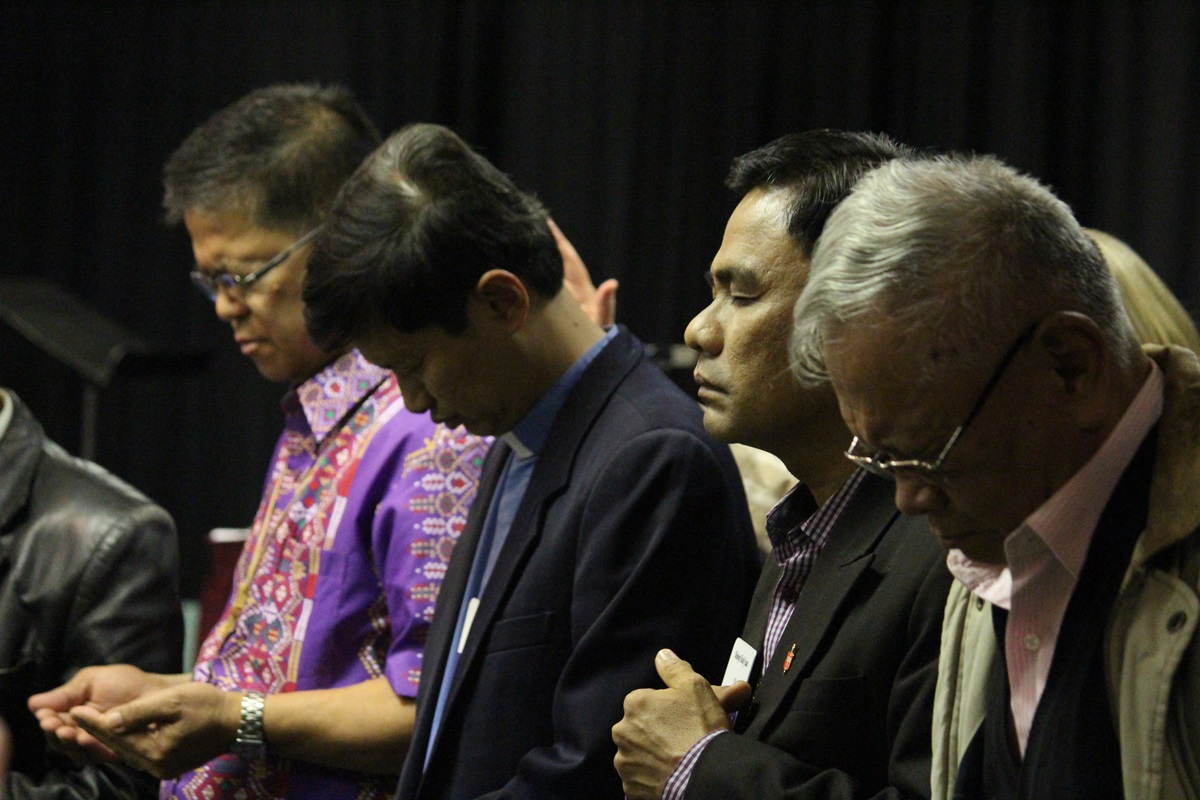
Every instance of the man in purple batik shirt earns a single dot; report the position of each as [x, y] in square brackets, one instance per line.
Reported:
[305, 687]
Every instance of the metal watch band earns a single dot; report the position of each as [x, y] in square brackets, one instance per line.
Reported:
[250, 741]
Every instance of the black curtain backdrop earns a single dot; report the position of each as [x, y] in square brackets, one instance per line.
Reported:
[622, 116]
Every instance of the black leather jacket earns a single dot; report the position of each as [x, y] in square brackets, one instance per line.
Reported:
[88, 575]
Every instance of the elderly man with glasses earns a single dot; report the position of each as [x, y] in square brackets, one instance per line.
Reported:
[983, 360]
[305, 686]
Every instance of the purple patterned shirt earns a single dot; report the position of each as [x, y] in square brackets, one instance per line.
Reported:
[798, 530]
[361, 508]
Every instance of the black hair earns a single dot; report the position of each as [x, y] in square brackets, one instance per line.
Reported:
[818, 168]
[280, 154]
[411, 234]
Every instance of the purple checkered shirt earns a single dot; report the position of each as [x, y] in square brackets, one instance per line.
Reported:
[798, 530]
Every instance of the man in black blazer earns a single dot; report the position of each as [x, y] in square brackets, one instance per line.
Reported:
[607, 523]
[842, 638]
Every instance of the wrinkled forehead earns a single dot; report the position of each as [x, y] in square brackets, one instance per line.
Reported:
[890, 385]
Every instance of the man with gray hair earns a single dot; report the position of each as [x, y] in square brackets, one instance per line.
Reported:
[983, 361]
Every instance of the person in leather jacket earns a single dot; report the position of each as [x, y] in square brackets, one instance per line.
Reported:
[88, 575]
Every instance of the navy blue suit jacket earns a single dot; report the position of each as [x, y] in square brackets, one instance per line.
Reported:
[633, 535]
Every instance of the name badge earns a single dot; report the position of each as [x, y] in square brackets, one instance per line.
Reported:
[741, 661]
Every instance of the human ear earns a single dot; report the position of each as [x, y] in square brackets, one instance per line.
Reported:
[1075, 347]
[502, 299]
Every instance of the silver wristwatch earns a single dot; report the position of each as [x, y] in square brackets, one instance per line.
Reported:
[250, 743]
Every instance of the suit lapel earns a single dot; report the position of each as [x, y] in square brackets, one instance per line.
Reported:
[839, 566]
[550, 476]
[755, 631]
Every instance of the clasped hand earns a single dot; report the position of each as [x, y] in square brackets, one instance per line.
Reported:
[162, 726]
[660, 726]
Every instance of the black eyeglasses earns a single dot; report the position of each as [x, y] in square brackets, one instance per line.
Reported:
[211, 283]
[886, 465]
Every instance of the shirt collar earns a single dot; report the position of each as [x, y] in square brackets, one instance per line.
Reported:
[1077, 505]
[789, 514]
[529, 434]
[6, 411]
[797, 513]
[326, 398]
[1068, 519]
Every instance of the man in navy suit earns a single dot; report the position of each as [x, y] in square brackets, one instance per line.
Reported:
[841, 642]
[607, 524]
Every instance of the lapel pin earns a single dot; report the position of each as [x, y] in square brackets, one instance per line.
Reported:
[787, 660]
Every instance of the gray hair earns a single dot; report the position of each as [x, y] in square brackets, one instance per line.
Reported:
[964, 248]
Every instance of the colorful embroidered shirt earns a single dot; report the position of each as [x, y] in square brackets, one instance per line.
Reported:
[336, 584]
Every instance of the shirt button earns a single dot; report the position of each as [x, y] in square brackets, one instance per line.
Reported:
[1032, 642]
[789, 595]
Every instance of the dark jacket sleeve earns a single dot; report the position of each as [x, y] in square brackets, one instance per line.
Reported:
[95, 577]
[94, 782]
[126, 610]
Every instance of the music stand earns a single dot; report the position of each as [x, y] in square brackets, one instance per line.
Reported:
[84, 339]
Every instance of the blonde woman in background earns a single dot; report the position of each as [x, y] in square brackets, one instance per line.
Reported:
[1158, 316]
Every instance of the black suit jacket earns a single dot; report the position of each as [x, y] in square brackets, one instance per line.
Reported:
[851, 717]
[632, 536]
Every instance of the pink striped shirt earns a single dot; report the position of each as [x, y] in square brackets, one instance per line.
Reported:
[1046, 553]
